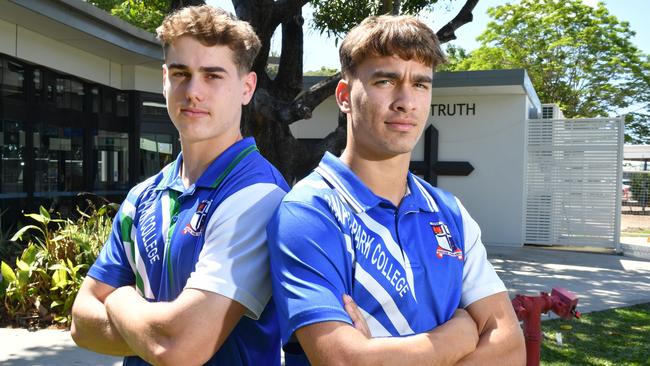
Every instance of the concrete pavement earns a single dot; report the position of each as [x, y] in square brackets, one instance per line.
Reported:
[602, 281]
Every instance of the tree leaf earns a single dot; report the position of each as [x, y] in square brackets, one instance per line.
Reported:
[7, 273]
[19, 234]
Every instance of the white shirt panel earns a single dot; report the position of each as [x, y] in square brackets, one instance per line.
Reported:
[234, 261]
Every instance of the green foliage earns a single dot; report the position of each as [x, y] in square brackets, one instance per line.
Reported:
[324, 71]
[577, 56]
[50, 270]
[640, 188]
[143, 14]
[455, 55]
[9, 250]
[611, 337]
[337, 17]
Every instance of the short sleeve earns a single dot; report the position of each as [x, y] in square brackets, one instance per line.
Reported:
[234, 260]
[310, 267]
[479, 277]
[114, 265]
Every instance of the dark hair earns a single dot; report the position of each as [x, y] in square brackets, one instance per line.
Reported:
[388, 35]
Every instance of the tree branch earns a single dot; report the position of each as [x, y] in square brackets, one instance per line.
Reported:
[304, 104]
[283, 10]
[253, 12]
[464, 16]
[288, 82]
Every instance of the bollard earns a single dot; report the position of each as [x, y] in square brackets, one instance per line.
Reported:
[529, 309]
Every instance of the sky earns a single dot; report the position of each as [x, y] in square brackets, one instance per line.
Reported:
[321, 51]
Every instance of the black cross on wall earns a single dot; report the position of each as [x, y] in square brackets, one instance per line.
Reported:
[431, 168]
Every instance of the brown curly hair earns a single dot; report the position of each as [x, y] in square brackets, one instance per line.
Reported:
[388, 35]
[212, 26]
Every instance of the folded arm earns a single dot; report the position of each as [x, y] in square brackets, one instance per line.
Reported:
[188, 330]
[338, 343]
[91, 327]
[501, 340]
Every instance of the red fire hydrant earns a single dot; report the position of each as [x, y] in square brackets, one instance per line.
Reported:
[530, 308]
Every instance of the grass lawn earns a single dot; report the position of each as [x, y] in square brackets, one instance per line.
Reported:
[640, 232]
[611, 337]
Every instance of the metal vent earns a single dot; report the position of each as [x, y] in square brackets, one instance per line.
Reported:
[573, 174]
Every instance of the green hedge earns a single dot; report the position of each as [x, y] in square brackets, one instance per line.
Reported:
[42, 286]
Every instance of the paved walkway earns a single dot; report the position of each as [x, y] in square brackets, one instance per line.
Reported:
[601, 281]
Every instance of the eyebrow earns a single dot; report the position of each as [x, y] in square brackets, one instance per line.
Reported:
[394, 76]
[206, 69]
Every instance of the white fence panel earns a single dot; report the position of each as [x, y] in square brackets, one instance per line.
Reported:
[573, 182]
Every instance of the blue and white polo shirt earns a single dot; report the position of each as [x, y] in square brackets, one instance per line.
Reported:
[408, 268]
[210, 236]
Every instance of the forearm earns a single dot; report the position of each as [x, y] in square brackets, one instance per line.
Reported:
[140, 323]
[498, 346]
[91, 329]
[334, 343]
[501, 340]
[431, 348]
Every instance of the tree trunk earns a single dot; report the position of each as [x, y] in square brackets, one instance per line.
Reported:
[178, 4]
[279, 102]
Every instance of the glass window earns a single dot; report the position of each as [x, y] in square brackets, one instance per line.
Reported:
[107, 97]
[69, 94]
[153, 108]
[96, 99]
[122, 104]
[13, 75]
[112, 152]
[12, 153]
[37, 78]
[58, 158]
[155, 153]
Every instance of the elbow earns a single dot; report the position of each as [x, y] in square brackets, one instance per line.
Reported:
[518, 350]
[75, 334]
[169, 353]
[344, 356]
[76, 328]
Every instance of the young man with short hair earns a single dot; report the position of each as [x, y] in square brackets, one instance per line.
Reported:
[370, 264]
[184, 278]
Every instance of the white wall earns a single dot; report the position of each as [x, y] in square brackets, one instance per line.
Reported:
[7, 38]
[45, 51]
[323, 121]
[148, 79]
[39, 49]
[493, 141]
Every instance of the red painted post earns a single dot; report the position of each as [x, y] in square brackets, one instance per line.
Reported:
[529, 309]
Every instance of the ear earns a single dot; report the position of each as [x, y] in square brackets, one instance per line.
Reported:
[249, 82]
[342, 93]
[164, 80]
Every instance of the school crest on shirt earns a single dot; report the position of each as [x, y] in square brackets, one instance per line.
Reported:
[195, 226]
[446, 245]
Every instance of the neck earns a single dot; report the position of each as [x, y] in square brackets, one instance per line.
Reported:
[197, 156]
[385, 178]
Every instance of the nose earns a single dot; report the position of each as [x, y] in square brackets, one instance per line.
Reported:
[194, 89]
[403, 99]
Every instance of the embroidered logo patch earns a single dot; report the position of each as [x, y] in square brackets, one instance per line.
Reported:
[445, 242]
[195, 226]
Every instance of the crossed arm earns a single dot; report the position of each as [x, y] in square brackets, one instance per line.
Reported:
[121, 322]
[487, 333]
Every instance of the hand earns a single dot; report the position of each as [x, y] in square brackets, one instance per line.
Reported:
[466, 326]
[357, 319]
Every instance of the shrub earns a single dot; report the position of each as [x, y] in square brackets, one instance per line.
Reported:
[49, 273]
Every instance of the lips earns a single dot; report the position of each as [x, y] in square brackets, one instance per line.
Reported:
[194, 112]
[401, 124]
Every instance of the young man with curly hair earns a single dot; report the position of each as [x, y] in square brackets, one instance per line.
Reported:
[184, 277]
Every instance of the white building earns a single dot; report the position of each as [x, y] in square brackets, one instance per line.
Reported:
[534, 180]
